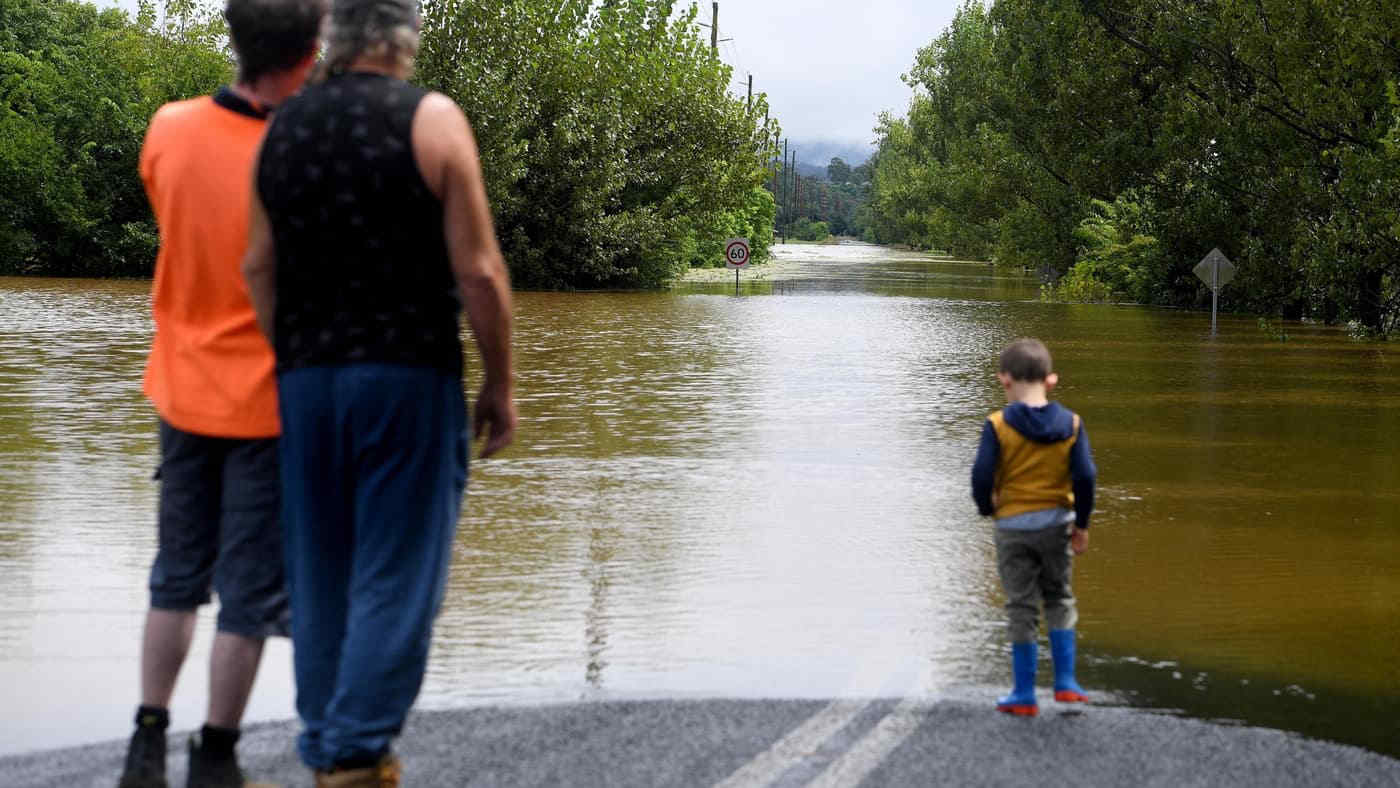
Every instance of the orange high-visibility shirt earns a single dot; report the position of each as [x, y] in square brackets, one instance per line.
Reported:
[210, 371]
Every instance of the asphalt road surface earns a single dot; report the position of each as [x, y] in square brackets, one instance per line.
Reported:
[954, 739]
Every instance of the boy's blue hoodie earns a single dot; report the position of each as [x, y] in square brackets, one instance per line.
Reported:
[1048, 423]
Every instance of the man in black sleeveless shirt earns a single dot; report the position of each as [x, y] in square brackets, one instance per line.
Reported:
[370, 230]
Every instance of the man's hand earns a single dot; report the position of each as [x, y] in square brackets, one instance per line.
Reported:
[445, 150]
[494, 416]
[1078, 540]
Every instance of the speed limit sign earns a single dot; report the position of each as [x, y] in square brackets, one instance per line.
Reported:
[736, 252]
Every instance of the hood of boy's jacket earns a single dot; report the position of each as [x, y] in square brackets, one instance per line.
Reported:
[1045, 424]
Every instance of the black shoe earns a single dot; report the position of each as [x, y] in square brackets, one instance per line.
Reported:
[208, 770]
[145, 759]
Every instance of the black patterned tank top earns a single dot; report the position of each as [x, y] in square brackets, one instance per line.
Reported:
[363, 273]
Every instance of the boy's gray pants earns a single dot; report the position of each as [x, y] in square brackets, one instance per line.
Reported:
[1035, 567]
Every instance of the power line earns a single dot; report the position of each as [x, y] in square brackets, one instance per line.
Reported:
[740, 78]
[735, 60]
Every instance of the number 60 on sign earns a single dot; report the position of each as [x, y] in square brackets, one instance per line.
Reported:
[736, 253]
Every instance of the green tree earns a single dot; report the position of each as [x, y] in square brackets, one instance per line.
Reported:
[805, 229]
[1121, 137]
[77, 89]
[614, 154]
[835, 204]
[838, 171]
[955, 174]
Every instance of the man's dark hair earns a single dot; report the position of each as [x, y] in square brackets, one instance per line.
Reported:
[1026, 360]
[272, 35]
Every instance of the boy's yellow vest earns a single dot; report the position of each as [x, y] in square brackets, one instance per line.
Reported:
[1031, 476]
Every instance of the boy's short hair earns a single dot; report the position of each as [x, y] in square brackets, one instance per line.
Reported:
[269, 36]
[1026, 360]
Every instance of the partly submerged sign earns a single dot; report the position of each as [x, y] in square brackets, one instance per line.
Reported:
[1216, 271]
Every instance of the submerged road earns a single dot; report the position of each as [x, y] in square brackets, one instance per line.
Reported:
[949, 740]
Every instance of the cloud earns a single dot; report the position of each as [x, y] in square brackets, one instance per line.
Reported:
[828, 67]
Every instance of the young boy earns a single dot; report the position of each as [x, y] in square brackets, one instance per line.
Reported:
[1035, 473]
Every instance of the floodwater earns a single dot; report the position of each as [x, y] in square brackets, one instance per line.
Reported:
[767, 496]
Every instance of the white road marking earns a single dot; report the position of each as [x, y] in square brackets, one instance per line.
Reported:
[859, 761]
[801, 742]
[882, 671]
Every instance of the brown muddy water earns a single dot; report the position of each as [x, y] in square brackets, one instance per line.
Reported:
[767, 496]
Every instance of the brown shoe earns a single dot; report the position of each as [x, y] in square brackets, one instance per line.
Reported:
[386, 774]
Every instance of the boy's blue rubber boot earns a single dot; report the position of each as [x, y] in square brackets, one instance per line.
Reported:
[1067, 690]
[1021, 701]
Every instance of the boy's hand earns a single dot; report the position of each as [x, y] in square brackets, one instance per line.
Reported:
[1078, 540]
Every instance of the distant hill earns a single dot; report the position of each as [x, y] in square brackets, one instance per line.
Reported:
[814, 155]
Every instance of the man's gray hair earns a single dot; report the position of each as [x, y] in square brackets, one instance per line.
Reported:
[381, 29]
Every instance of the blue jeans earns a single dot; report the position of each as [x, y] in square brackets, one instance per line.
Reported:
[374, 463]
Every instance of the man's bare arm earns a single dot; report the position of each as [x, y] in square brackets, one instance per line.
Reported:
[447, 156]
[260, 266]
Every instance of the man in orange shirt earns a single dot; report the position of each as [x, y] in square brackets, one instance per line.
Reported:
[210, 378]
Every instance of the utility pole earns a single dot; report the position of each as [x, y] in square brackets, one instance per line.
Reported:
[714, 27]
[773, 160]
[787, 182]
[782, 181]
[792, 187]
[749, 107]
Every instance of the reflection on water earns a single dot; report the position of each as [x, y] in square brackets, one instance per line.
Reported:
[767, 496]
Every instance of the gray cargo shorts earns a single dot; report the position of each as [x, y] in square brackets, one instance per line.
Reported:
[219, 530]
[1035, 568]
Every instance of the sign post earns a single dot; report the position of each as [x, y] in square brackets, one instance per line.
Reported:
[736, 256]
[1216, 271]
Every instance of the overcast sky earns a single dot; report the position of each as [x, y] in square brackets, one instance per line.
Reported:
[828, 66]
